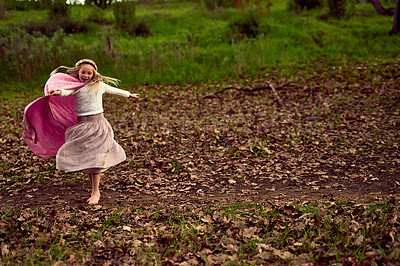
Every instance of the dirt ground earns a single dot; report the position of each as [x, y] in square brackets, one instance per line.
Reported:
[331, 135]
[195, 153]
[74, 195]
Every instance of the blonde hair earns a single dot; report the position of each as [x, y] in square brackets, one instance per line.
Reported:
[94, 82]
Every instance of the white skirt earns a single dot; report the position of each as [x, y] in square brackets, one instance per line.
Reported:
[89, 146]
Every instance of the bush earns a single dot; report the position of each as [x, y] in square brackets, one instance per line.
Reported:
[139, 28]
[24, 56]
[247, 25]
[50, 27]
[305, 4]
[337, 8]
[24, 5]
[124, 13]
[99, 16]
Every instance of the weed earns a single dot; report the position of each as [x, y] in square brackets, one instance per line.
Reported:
[282, 239]
[56, 251]
[248, 249]
[115, 219]
[259, 150]
[156, 215]
[231, 210]
[378, 209]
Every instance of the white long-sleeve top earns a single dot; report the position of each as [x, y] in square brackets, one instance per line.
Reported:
[91, 102]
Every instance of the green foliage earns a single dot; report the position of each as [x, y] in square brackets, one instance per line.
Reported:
[187, 43]
[113, 220]
[388, 3]
[24, 56]
[25, 5]
[50, 27]
[246, 25]
[139, 28]
[99, 16]
[124, 13]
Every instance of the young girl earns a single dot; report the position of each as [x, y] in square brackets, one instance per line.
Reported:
[89, 145]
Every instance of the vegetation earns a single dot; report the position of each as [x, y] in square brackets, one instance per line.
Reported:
[221, 168]
[238, 233]
[167, 44]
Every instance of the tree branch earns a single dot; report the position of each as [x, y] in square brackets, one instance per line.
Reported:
[269, 86]
[380, 9]
[396, 20]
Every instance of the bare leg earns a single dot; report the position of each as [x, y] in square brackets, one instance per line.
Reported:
[95, 182]
[90, 179]
[90, 176]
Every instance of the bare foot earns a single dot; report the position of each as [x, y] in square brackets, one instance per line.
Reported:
[94, 199]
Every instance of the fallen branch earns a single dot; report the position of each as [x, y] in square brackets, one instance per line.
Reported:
[269, 86]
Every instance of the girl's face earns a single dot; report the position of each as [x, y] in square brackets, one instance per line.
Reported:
[86, 73]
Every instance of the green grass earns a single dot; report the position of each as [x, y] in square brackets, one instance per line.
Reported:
[16, 17]
[238, 233]
[190, 44]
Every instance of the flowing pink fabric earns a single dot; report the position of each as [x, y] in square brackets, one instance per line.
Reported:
[46, 119]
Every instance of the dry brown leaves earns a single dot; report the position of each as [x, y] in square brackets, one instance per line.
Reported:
[335, 138]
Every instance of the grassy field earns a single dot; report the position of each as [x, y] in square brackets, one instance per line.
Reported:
[190, 44]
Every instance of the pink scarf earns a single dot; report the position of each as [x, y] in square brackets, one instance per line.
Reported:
[46, 119]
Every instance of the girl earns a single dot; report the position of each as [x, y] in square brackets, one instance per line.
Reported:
[89, 145]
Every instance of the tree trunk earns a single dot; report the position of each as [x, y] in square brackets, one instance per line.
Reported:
[395, 29]
[380, 9]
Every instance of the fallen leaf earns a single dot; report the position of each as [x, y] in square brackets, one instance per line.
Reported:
[4, 250]
[126, 228]
[359, 240]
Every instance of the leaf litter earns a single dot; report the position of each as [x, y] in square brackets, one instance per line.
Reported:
[238, 178]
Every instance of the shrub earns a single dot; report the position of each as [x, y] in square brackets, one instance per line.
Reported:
[337, 8]
[50, 27]
[24, 5]
[24, 56]
[124, 13]
[305, 4]
[139, 28]
[247, 25]
[99, 16]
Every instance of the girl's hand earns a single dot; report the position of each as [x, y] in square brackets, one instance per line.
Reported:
[134, 95]
[54, 92]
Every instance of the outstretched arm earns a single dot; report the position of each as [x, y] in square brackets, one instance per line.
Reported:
[119, 92]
